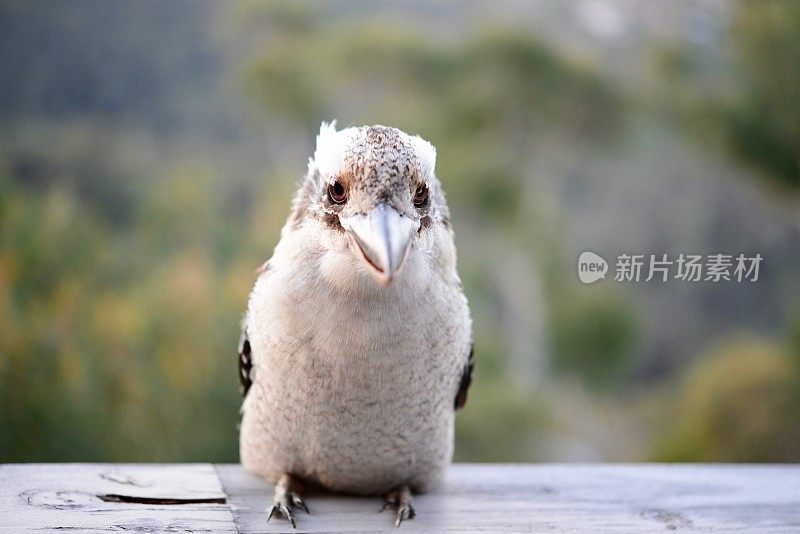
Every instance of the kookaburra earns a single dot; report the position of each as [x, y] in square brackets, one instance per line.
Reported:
[356, 348]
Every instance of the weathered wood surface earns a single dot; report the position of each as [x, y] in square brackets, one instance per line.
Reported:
[475, 498]
[65, 498]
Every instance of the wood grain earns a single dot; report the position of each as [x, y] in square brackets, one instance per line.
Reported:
[475, 498]
[65, 498]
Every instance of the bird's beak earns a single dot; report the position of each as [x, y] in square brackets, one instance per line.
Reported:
[382, 237]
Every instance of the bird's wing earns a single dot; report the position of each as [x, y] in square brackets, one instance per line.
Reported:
[245, 351]
[245, 361]
[466, 379]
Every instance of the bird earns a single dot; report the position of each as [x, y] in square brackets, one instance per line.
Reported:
[356, 346]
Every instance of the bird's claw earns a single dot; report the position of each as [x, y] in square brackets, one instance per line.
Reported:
[404, 511]
[283, 510]
[299, 502]
[400, 501]
[285, 500]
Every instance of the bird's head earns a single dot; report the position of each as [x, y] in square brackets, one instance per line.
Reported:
[374, 193]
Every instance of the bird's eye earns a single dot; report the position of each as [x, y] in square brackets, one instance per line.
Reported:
[421, 195]
[336, 192]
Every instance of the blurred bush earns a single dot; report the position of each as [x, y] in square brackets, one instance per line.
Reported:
[739, 403]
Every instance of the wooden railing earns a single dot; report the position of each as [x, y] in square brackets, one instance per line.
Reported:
[59, 498]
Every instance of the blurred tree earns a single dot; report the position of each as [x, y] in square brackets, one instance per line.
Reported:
[764, 124]
[107, 354]
[749, 105]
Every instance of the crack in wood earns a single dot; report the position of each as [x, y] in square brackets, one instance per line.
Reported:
[123, 478]
[114, 497]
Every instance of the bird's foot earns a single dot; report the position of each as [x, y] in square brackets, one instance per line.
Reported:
[286, 498]
[399, 500]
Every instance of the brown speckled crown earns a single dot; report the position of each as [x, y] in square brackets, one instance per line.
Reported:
[379, 159]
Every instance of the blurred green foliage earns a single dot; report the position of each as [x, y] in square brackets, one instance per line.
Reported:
[106, 355]
[738, 403]
[133, 214]
[594, 338]
[750, 110]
